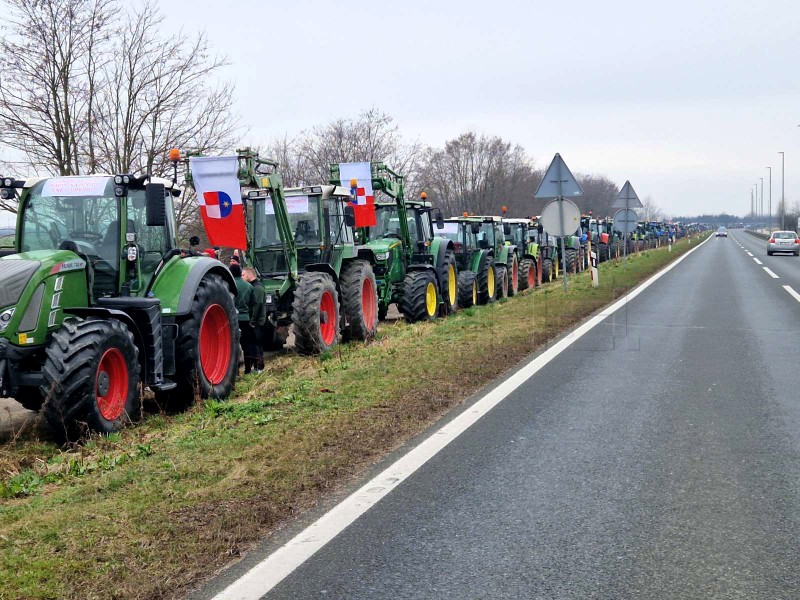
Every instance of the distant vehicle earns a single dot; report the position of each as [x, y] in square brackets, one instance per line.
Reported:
[783, 241]
[722, 232]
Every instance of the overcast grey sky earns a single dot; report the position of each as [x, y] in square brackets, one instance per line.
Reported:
[691, 101]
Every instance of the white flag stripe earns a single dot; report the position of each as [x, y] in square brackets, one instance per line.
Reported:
[216, 174]
[360, 171]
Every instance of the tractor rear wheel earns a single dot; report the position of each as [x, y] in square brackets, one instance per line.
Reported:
[487, 281]
[602, 253]
[91, 378]
[420, 301]
[513, 276]
[315, 313]
[527, 274]
[448, 284]
[502, 279]
[547, 270]
[359, 301]
[207, 348]
[467, 289]
[569, 256]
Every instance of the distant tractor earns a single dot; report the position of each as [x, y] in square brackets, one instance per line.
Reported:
[414, 269]
[98, 301]
[524, 236]
[477, 277]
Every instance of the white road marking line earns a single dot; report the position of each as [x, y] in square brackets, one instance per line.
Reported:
[749, 253]
[277, 566]
[758, 262]
[794, 294]
[770, 273]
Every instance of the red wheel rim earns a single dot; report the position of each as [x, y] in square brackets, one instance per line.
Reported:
[531, 277]
[111, 384]
[327, 318]
[368, 302]
[215, 344]
[514, 275]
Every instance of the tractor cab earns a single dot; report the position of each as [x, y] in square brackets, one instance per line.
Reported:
[106, 221]
[318, 226]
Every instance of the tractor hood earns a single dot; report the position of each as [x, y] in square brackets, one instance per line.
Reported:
[383, 245]
[15, 273]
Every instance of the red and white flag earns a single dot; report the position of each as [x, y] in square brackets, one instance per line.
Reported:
[364, 201]
[220, 199]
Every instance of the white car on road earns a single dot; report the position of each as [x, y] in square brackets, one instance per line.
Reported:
[783, 241]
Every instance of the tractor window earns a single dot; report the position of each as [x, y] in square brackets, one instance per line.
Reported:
[387, 223]
[338, 231]
[425, 227]
[451, 231]
[152, 242]
[82, 210]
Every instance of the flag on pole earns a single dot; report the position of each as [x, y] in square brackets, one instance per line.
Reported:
[363, 200]
[220, 199]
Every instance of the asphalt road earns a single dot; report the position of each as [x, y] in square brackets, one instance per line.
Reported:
[656, 458]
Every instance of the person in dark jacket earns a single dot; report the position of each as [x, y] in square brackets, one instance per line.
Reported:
[244, 301]
[258, 313]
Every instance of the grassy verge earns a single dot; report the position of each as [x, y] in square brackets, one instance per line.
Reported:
[159, 507]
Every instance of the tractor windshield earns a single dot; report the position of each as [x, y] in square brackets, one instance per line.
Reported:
[517, 235]
[486, 235]
[388, 224]
[304, 221]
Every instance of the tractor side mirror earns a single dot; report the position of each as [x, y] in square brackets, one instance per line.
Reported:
[349, 216]
[439, 219]
[156, 205]
[506, 229]
[475, 228]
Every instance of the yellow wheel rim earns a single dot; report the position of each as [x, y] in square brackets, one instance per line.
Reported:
[452, 286]
[490, 282]
[430, 299]
[474, 293]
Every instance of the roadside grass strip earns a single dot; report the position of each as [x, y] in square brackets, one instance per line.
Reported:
[158, 508]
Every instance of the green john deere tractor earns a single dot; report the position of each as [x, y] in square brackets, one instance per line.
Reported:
[524, 236]
[477, 271]
[506, 256]
[98, 300]
[415, 269]
[301, 243]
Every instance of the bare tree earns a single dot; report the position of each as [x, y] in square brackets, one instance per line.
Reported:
[650, 211]
[479, 174]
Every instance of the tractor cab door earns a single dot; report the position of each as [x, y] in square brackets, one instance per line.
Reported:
[151, 242]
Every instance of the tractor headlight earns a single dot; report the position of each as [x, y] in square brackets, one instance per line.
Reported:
[5, 318]
[382, 256]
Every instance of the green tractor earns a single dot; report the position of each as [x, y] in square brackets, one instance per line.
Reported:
[98, 301]
[477, 270]
[548, 249]
[506, 256]
[301, 243]
[415, 269]
[524, 236]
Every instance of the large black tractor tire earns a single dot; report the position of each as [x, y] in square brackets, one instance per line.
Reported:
[502, 280]
[513, 276]
[315, 313]
[448, 284]
[602, 253]
[207, 348]
[569, 255]
[467, 289]
[615, 250]
[91, 376]
[527, 274]
[420, 301]
[487, 281]
[547, 270]
[359, 301]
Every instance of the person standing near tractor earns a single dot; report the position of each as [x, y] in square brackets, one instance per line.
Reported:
[244, 300]
[258, 313]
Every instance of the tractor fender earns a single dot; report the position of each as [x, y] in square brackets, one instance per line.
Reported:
[324, 268]
[366, 254]
[440, 248]
[201, 267]
[421, 267]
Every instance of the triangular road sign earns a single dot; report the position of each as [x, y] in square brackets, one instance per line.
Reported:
[627, 198]
[558, 182]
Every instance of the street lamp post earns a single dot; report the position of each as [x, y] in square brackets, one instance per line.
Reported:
[761, 208]
[769, 225]
[783, 195]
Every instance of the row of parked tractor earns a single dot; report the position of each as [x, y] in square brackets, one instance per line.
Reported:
[98, 302]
